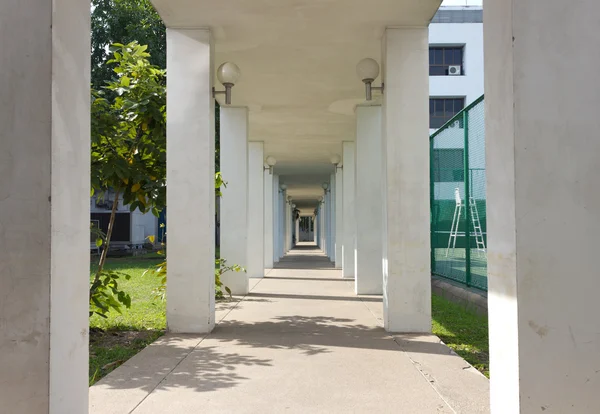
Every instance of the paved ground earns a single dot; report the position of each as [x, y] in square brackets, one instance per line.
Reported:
[301, 342]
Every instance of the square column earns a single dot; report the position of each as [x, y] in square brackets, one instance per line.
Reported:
[349, 182]
[282, 221]
[333, 217]
[234, 210]
[288, 224]
[191, 181]
[325, 224]
[328, 222]
[44, 206]
[339, 217]
[405, 161]
[543, 205]
[276, 220]
[268, 224]
[369, 251]
[256, 237]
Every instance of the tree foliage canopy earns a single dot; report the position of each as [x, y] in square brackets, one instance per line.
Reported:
[124, 21]
[129, 133]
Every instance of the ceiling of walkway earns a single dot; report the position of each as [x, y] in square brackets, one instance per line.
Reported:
[298, 60]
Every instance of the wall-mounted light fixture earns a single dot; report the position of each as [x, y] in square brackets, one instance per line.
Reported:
[336, 160]
[282, 188]
[289, 199]
[228, 74]
[325, 188]
[367, 71]
[270, 163]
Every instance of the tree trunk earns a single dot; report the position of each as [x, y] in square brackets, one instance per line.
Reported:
[111, 224]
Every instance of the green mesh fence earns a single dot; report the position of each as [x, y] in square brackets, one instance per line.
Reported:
[458, 198]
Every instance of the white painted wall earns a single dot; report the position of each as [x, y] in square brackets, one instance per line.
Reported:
[190, 165]
[143, 226]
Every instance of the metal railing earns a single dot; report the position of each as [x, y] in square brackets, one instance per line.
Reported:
[458, 198]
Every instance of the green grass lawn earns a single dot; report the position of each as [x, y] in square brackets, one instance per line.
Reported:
[463, 331]
[117, 338]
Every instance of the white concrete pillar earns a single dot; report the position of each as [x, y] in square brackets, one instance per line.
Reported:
[369, 251]
[329, 220]
[191, 182]
[339, 217]
[297, 230]
[405, 149]
[276, 220]
[234, 210]
[323, 226]
[332, 186]
[282, 220]
[44, 206]
[256, 258]
[349, 171]
[268, 224]
[288, 224]
[328, 223]
[543, 205]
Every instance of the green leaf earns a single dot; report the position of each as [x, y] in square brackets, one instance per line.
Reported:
[98, 242]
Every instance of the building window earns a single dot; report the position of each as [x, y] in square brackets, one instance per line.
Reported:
[448, 165]
[442, 57]
[441, 110]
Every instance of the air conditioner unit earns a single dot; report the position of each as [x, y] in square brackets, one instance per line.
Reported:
[454, 70]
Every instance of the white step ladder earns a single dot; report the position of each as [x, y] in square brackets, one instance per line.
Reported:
[456, 220]
[477, 225]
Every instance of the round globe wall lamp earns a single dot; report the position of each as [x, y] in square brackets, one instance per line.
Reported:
[228, 74]
[336, 160]
[367, 71]
[270, 163]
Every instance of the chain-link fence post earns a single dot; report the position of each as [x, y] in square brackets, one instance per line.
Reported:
[431, 205]
[467, 200]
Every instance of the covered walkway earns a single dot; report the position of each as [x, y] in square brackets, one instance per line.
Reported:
[300, 342]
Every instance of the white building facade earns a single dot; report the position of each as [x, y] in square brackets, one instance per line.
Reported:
[455, 61]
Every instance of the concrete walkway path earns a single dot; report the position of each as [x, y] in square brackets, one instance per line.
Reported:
[300, 342]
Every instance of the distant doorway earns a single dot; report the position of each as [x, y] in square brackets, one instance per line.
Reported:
[307, 229]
